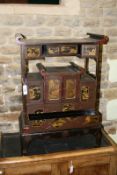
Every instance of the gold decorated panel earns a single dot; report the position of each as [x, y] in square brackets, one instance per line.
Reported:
[89, 50]
[54, 89]
[35, 93]
[33, 52]
[84, 93]
[64, 123]
[68, 107]
[70, 89]
[68, 49]
[62, 50]
[52, 50]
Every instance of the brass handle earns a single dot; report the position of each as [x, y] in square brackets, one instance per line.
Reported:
[1, 172]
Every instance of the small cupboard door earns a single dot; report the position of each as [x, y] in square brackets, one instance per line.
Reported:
[35, 88]
[70, 89]
[53, 87]
[88, 94]
[95, 166]
[95, 170]
[29, 169]
[35, 92]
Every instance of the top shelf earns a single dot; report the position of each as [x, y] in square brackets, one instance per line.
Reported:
[92, 39]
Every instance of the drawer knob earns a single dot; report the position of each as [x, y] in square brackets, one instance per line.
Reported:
[71, 168]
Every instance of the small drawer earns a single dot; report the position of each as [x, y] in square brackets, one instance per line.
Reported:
[89, 50]
[61, 50]
[33, 52]
[68, 50]
[52, 50]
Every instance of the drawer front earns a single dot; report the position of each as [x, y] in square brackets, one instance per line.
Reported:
[30, 168]
[68, 50]
[52, 50]
[57, 124]
[89, 50]
[32, 52]
[97, 165]
[62, 50]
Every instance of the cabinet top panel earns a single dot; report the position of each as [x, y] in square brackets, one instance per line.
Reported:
[92, 39]
[57, 41]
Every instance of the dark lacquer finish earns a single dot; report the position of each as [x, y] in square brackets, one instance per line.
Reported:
[60, 98]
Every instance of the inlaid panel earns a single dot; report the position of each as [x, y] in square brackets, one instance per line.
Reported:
[84, 92]
[35, 87]
[35, 93]
[89, 50]
[33, 52]
[62, 50]
[68, 49]
[70, 92]
[54, 89]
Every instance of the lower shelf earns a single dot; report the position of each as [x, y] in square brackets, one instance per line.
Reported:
[66, 141]
[36, 143]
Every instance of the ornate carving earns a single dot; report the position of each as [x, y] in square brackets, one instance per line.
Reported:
[70, 92]
[34, 93]
[53, 50]
[37, 123]
[58, 123]
[53, 89]
[68, 107]
[89, 50]
[69, 49]
[33, 52]
[84, 93]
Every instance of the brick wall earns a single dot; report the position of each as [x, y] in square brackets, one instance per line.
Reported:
[70, 19]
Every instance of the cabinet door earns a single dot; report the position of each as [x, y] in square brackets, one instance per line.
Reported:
[70, 88]
[53, 89]
[91, 166]
[88, 95]
[30, 169]
[60, 168]
[94, 170]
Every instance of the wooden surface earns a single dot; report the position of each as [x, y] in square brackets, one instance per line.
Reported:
[98, 161]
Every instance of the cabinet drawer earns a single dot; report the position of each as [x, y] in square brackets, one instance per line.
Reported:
[84, 161]
[96, 165]
[30, 169]
[89, 50]
[32, 52]
[62, 50]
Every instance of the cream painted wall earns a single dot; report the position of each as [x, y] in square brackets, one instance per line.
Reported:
[112, 104]
[112, 110]
[112, 70]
